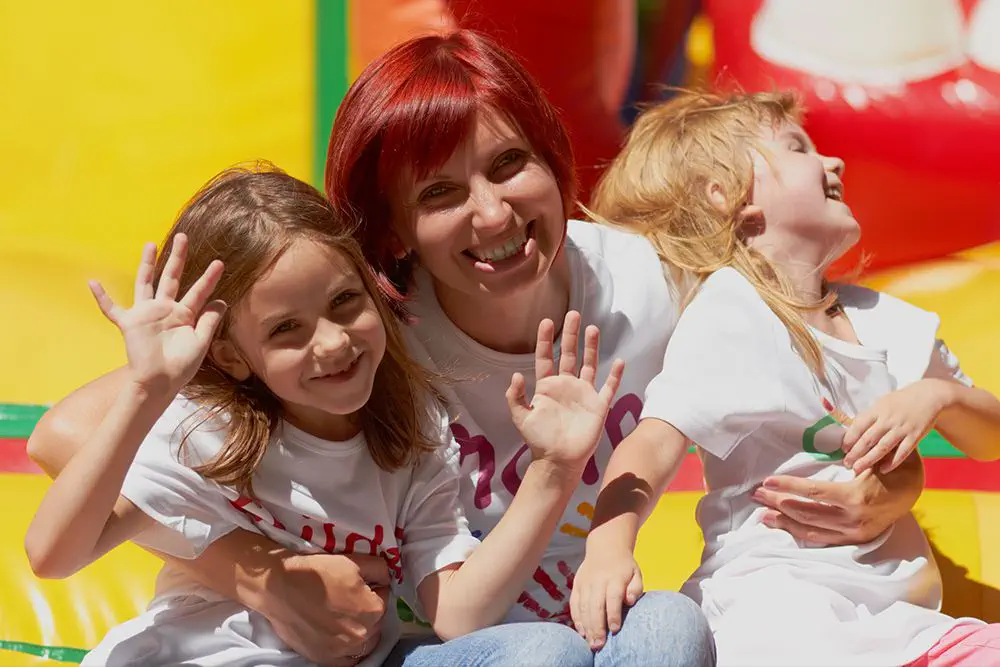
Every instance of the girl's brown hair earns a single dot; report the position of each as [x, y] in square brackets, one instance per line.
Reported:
[658, 187]
[247, 217]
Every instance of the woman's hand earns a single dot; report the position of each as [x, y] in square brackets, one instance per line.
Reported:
[565, 419]
[836, 513]
[166, 339]
[328, 608]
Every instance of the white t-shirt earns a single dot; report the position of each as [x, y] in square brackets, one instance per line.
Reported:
[311, 496]
[618, 284]
[733, 383]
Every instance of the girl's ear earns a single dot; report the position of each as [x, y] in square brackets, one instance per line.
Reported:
[225, 355]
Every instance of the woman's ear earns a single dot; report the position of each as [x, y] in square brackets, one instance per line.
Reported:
[397, 247]
[225, 355]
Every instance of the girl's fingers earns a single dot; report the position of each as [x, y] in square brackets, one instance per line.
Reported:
[613, 382]
[198, 295]
[516, 400]
[614, 599]
[208, 322]
[144, 276]
[544, 362]
[570, 339]
[591, 345]
[854, 432]
[634, 589]
[885, 444]
[901, 454]
[170, 279]
[597, 613]
[574, 611]
[865, 443]
[104, 301]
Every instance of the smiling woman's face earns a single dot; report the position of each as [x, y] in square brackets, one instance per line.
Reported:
[490, 220]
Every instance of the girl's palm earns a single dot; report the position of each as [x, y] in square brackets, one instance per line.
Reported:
[566, 416]
[166, 339]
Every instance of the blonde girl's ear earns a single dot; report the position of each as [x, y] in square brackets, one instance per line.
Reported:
[225, 355]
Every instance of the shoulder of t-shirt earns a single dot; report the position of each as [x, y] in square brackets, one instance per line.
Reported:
[728, 294]
[190, 432]
[608, 242]
[907, 333]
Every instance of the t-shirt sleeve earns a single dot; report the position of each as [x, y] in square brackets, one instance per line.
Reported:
[190, 511]
[944, 365]
[435, 530]
[721, 376]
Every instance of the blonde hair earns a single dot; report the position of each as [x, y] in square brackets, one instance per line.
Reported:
[659, 187]
[247, 217]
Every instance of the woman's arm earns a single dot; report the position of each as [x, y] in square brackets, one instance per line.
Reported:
[562, 427]
[320, 605]
[836, 513]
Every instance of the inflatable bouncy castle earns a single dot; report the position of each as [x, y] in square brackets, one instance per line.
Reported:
[115, 112]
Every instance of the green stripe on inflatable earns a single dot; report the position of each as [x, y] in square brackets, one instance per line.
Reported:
[58, 653]
[17, 421]
[331, 75]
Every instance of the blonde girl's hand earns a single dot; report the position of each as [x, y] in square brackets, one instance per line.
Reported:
[565, 419]
[606, 582]
[892, 428]
[166, 339]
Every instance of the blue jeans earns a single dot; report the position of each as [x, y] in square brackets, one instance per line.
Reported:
[663, 629]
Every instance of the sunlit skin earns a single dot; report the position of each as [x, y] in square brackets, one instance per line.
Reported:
[317, 349]
[489, 226]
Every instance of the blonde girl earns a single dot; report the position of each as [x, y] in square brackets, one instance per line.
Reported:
[772, 370]
[269, 389]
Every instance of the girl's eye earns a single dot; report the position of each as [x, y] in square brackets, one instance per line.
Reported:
[284, 327]
[509, 164]
[343, 297]
[799, 147]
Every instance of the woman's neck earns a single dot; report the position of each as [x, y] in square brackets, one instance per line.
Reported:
[510, 323]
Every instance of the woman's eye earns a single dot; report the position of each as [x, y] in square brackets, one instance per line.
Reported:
[284, 327]
[509, 164]
[433, 192]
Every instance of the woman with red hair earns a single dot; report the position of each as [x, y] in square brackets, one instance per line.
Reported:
[460, 176]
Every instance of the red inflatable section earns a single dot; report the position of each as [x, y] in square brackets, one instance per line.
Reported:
[581, 51]
[923, 163]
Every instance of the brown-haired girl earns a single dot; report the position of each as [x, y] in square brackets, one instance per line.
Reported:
[772, 370]
[269, 388]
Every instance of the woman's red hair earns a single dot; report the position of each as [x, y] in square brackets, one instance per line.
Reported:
[409, 110]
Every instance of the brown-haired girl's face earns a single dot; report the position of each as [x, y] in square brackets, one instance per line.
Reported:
[311, 332]
[490, 220]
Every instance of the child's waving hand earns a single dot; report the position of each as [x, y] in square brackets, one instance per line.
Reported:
[166, 338]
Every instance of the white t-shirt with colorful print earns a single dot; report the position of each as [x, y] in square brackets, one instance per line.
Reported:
[733, 383]
[309, 495]
[618, 285]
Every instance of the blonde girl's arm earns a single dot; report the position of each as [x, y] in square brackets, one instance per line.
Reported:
[562, 427]
[166, 339]
[640, 469]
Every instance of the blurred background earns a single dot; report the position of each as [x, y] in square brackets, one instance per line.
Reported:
[115, 112]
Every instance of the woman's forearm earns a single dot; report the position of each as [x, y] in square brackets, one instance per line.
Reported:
[479, 593]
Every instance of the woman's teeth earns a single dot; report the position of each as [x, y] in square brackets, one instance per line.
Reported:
[502, 252]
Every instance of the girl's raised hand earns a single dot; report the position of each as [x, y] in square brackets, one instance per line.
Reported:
[564, 421]
[166, 339]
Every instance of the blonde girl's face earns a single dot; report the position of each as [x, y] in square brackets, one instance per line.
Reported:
[311, 332]
[801, 194]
